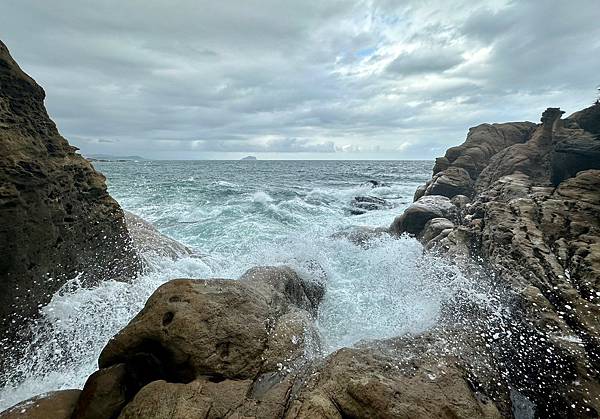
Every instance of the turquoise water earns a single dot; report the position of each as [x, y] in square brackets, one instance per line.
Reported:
[239, 214]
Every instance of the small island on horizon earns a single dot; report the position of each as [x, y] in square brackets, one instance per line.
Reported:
[249, 158]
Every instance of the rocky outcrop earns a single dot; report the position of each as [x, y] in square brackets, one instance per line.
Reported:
[57, 219]
[456, 172]
[249, 348]
[534, 221]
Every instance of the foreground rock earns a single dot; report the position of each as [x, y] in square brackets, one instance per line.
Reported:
[56, 217]
[534, 222]
[249, 348]
[209, 346]
[54, 405]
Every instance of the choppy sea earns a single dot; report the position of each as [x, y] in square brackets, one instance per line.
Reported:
[239, 214]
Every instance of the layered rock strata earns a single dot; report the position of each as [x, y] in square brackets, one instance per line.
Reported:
[534, 220]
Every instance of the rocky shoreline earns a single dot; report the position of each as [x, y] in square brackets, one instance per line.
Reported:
[517, 207]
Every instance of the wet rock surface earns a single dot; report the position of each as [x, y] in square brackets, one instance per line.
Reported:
[534, 221]
[53, 405]
[57, 219]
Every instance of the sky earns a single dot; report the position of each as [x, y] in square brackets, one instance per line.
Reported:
[306, 79]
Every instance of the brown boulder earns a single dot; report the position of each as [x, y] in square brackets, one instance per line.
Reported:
[53, 405]
[209, 334]
[415, 217]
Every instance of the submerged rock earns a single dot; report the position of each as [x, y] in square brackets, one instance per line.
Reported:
[362, 204]
[374, 183]
[57, 219]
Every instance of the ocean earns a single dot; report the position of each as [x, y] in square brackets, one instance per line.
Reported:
[239, 214]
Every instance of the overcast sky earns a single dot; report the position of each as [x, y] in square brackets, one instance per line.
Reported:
[300, 79]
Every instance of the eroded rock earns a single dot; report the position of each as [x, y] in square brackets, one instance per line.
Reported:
[57, 219]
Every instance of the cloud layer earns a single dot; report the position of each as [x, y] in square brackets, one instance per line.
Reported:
[302, 79]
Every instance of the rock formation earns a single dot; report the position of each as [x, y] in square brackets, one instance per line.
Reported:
[520, 199]
[57, 220]
[534, 221]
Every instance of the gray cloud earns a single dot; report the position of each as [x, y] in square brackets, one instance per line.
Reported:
[342, 78]
[424, 61]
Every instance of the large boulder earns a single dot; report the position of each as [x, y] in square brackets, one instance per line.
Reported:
[57, 219]
[204, 337]
[450, 182]
[414, 218]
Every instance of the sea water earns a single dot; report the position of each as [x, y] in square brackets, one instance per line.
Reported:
[239, 214]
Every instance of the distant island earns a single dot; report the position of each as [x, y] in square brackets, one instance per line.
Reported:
[108, 157]
[249, 158]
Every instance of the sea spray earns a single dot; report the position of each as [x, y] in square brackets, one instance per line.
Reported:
[271, 213]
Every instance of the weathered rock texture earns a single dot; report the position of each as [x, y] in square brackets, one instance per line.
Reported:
[54, 405]
[535, 222]
[56, 217]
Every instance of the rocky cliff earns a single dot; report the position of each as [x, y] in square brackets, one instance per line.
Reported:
[529, 209]
[57, 220]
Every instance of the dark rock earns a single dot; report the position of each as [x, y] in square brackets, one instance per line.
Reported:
[53, 405]
[577, 148]
[363, 204]
[460, 201]
[57, 219]
[374, 183]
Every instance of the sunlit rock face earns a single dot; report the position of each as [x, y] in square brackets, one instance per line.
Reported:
[57, 220]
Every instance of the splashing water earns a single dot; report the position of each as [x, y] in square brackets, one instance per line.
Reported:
[265, 213]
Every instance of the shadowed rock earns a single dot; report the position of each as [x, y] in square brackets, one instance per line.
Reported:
[57, 219]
